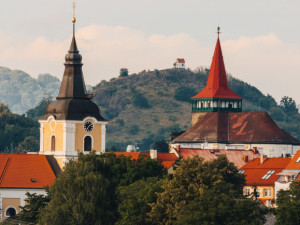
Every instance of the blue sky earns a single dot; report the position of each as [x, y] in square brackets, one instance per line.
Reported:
[260, 38]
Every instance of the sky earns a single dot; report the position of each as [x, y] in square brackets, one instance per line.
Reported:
[260, 39]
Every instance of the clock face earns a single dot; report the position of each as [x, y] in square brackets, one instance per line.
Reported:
[88, 126]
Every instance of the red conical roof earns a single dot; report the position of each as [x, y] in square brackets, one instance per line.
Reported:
[217, 86]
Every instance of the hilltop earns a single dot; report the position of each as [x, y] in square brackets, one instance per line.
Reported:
[144, 108]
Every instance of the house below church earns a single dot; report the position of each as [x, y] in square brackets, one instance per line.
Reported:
[22, 173]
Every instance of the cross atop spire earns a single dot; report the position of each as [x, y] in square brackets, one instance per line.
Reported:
[218, 31]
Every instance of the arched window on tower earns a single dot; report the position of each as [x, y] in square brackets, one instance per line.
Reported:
[53, 143]
[87, 144]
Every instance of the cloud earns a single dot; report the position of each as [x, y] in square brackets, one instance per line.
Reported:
[265, 61]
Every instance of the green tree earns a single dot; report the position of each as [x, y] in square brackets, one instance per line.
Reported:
[34, 203]
[288, 202]
[135, 199]
[39, 110]
[30, 144]
[161, 146]
[140, 101]
[288, 105]
[83, 193]
[184, 93]
[204, 193]
[123, 72]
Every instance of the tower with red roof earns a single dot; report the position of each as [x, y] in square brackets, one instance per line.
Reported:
[216, 96]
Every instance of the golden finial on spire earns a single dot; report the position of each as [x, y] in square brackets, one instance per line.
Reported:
[74, 18]
[218, 31]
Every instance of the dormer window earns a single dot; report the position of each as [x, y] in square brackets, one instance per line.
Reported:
[268, 174]
[298, 160]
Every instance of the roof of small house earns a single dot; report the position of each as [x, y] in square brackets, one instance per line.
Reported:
[256, 172]
[238, 157]
[180, 60]
[26, 171]
[238, 127]
[217, 85]
[295, 162]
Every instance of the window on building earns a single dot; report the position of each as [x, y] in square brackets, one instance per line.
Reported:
[87, 143]
[242, 171]
[268, 174]
[298, 160]
[267, 192]
[268, 203]
[11, 212]
[247, 192]
[258, 192]
[53, 143]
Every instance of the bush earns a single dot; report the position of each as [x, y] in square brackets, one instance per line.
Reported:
[140, 101]
[184, 93]
[134, 130]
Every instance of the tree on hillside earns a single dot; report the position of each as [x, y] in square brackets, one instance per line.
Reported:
[204, 193]
[139, 100]
[14, 129]
[288, 202]
[123, 72]
[161, 146]
[288, 105]
[39, 110]
[184, 93]
[30, 144]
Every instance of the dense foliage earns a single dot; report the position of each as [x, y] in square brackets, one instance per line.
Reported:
[106, 189]
[18, 133]
[288, 202]
[86, 191]
[205, 193]
[184, 93]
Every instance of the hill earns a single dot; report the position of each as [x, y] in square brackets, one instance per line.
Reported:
[144, 108]
[21, 92]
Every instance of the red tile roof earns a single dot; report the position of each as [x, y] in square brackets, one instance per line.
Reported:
[293, 165]
[217, 86]
[133, 155]
[240, 127]
[166, 159]
[180, 60]
[25, 171]
[235, 156]
[254, 170]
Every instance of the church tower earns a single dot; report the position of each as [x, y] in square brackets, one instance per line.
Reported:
[216, 96]
[72, 123]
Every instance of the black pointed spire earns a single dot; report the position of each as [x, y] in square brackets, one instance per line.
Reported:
[73, 102]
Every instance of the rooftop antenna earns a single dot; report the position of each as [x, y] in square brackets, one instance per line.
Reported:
[218, 31]
[74, 18]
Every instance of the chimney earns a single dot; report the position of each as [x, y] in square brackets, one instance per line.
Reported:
[255, 151]
[153, 154]
[263, 158]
